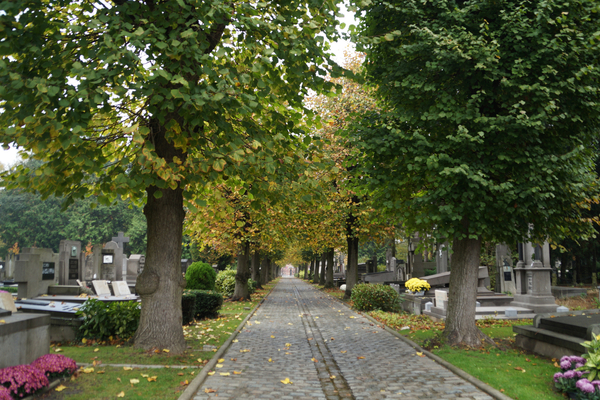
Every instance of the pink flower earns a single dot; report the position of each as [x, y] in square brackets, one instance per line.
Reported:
[23, 380]
[4, 393]
[585, 386]
[55, 365]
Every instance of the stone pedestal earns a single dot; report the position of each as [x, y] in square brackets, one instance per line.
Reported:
[534, 287]
[35, 270]
[504, 267]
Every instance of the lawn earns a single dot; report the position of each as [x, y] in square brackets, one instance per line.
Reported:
[100, 379]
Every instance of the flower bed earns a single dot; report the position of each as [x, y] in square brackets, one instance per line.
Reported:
[417, 285]
[573, 378]
[24, 380]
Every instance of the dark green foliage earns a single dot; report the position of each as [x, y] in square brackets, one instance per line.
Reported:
[368, 297]
[9, 289]
[225, 282]
[208, 303]
[200, 276]
[102, 319]
[251, 286]
[188, 307]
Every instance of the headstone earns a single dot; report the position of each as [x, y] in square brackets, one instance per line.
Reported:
[185, 263]
[562, 309]
[120, 288]
[510, 312]
[112, 262]
[135, 266]
[442, 257]
[120, 240]
[441, 296]
[92, 262]
[504, 266]
[533, 280]
[428, 306]
[69, 264]
[35, 270]
[101, 288]
[477, 304]
[2, 270]
[7, 302]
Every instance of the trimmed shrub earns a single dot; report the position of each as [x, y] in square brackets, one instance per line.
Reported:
[188, 307]
[103, 320]
[251, 286]
[225, 282]
[368, 297]
[208, 303]
[9, 289]
[23, 380]
[55, 366]
[200, 276]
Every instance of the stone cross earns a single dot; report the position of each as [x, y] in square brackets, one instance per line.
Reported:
[120, 239]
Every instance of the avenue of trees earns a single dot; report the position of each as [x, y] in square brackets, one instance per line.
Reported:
[473, 121]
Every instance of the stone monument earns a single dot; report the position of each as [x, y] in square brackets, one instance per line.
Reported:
[35, 270]
[70, 262]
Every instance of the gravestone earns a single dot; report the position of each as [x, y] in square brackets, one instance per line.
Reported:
[533, 279]
[441, 298]
[7, 302]
[442, 257]
[92, 262]
[112, 262]
[120, 240]
[101, 288]
[135, 266]
[185, 263]
[69, 262]
[35, 270]
[504, 266]
[120, 288]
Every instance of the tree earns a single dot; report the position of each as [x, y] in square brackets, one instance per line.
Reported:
[150, 100]
[491, 109]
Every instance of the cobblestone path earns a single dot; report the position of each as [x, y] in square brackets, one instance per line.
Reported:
[328, 352]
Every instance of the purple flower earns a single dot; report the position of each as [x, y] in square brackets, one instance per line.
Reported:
[577, 359]
[596, 382]
[579, 365]
[557, 376]
[585, 386]
[4, 393]
[565, 365]
[23, 380]
[570, 374]
[55, 365]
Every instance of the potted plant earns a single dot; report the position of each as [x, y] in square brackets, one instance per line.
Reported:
[417, 286]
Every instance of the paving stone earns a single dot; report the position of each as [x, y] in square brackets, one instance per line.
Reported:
[375, 365]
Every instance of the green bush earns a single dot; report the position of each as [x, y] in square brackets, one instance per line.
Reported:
[225, 282]
[9, 289]
[251, 286]
[368, 297]
[188, 308]
[300, 275]
[102, 320]
[208, 303]
[200, 276]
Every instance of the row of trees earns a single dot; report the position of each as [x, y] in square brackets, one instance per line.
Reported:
[474, 122]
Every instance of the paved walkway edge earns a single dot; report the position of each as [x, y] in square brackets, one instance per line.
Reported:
[469, 378]
[195, 384]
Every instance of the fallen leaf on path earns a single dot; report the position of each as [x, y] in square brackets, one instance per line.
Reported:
[234, 340]
[269, 360]
[60, 388]
[220, 360]
[332, 377]
[219, 365]
[166, 350]
[257, 322]
[343, 351]
[286, 381]
[211, 373]
[121, 394]
[420, 354]
[287, 344]
[233, 359]
[351, 316]
[224, 373]
[360, 358]
[244, 351]
[209, 390]
[314, 359]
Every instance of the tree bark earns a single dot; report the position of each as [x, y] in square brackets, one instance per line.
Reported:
[352, 267]
[311, 269]
[161, 284]
[329, 275]
[323, 260]
[315, 277]
[460, 321]
[263, 270]
[256, 268]
[241, 277]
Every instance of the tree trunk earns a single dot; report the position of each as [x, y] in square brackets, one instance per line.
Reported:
[323, 260]
[315, 277]
[329, 278]
[256, 269]
[161, 284]
[241, 277]
[311, 269]
[460, 320]
[263, 271]
[352, 267]
[305, 271]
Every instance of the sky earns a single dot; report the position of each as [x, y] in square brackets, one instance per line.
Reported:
[10, 157]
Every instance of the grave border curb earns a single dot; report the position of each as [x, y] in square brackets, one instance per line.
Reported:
[195, 384]
[469, 378]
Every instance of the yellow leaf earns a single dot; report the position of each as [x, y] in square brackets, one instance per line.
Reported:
[117, 346]
[166, 350]
[332, 377]
[219, 365]
[286, 381]
[236, 372]
[420, 354]
[119, 379]
[152, 379]
[221, 360]
[234, 340]
[360, 358]
[96, 350]
[84, 340]
[314, 359]
[88, 370]
[122, 394]
[211, 373]
[351, 317]
[344, 351]
[244, 351]
[186, 382]
[127, 368]
[57, 350]
[270, 360]
[209, 390]
[100, 372]
[287, 345]
[60, 388]
[144, 375]
[272, 337]
[224, 373]
[134, 381]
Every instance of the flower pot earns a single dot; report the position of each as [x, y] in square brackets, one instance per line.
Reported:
[420, 294]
